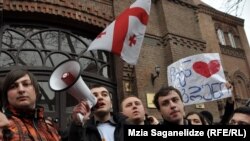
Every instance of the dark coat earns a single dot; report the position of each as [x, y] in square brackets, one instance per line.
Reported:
[186, 122]
[89, 131]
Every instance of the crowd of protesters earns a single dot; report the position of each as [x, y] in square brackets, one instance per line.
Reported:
[22, 119]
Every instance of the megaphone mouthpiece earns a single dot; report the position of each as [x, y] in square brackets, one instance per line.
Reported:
[66, 76]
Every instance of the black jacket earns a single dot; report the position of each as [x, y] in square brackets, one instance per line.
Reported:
[229, 108]
[186, 122]
[89, 131]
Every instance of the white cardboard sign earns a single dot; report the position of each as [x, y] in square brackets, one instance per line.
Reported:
[200, 78]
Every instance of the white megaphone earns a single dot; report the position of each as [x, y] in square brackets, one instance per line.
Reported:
[67, 76]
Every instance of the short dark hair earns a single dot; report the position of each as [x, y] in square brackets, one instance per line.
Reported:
[242, 110]
[202, 118]
[14, 75]
[164, 91]
[97, 85]
[208, 116]
[127, 98]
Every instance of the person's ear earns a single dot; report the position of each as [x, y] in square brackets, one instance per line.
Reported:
[111, 108]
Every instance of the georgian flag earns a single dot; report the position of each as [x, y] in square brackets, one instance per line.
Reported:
[124, 36]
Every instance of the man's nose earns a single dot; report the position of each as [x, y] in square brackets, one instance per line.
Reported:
[99, 97]
[172, 104]
[134, 106]
[20, 87]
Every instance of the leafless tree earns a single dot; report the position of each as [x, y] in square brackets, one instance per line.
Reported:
[233, 7]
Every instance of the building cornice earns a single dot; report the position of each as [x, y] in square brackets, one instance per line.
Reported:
[220, 16]
[183, 3]
[76, 10]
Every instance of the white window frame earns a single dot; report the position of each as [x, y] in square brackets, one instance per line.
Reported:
[231, 39]
[221, 37]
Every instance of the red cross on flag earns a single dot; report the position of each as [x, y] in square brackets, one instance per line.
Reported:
[125, 35]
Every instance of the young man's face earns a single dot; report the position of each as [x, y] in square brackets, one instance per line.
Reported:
[133, 108]
[22, 94]
[171, 107]
[240, 119]
[104, 103]
[194, 119]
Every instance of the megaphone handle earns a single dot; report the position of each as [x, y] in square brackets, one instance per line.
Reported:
[80, 116]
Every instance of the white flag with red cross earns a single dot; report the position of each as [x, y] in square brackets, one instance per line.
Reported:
[125, 35]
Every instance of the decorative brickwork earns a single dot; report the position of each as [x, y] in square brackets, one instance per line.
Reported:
[186, 3]
[184, 42]
[100, 15]
[236, 52]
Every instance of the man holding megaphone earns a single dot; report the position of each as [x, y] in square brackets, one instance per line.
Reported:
[92, 117]
[99, 123]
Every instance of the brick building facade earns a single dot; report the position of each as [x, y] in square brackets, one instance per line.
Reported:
[176, 29]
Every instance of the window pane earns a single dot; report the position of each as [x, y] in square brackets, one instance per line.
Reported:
[27, 45]
[104, 71]
[66, 43]
[88, 65]
[6, 60]
[55, 59]
[12, 39]
[50, 40]
[231, 39]
[48, 97]
[30, 58]
[221, 37]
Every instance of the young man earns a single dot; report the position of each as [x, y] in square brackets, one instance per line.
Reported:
[196, 118]
[241, 116]
[168, 101]
[103, 125]
[26, 119]
[133, 108]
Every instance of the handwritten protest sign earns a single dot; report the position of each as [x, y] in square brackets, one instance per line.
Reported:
[200, 78]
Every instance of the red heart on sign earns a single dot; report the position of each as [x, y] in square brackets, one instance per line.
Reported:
[205, 69]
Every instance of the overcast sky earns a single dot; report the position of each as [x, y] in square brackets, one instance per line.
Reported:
[243, 12]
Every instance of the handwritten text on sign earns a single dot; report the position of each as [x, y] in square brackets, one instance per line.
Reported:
[200, 78]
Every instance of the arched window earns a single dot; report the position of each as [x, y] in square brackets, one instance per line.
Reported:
[241, 88]
[41, 49]
[240, 83]
[221, 37]
[47, 47]
[231, 39]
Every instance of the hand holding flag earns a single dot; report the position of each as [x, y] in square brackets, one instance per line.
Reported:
[125, 35]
